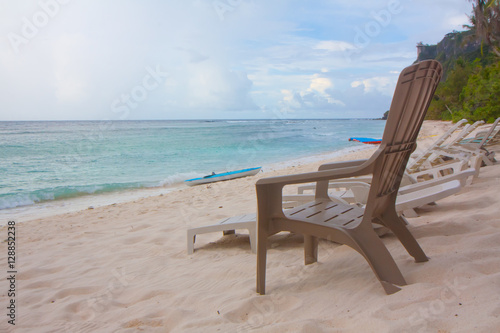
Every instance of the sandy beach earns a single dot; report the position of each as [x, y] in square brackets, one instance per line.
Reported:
[124, 268]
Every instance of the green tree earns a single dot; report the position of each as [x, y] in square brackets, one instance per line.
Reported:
[485, 20]
[481, 95]
[471, 88]
[446, 100]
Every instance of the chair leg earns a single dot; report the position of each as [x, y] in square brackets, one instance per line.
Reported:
[261, 261]
[399, 228]
[383, 265]
[477, 161]
[310, 249]
[253, 239]
[410, 212]
[191, 238]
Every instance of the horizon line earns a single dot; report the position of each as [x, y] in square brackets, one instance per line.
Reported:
[191, 119]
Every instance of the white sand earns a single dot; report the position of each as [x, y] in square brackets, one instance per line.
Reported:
[124, 268]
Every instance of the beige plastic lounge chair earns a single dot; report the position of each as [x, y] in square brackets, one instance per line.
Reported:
[348, 224]
[227, 226]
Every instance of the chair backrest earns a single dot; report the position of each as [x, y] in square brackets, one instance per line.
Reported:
[413, 94]
[420, 159]
[492, 132]
[466, 131]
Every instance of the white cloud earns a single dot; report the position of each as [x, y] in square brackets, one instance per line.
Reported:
[334, 46]
[457, 21]
[70, 78]
[356, 84]
[209, 86]
[381, 84]
[315, 96]
[261, 56]
[320, 84]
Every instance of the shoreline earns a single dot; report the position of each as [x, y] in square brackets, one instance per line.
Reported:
[95, 200]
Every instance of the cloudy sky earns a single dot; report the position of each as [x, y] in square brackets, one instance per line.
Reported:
[206, 59]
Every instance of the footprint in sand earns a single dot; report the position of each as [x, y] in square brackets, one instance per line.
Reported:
[74, 291]
[37, 272]
[255, 310]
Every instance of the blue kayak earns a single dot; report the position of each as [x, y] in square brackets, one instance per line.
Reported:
[216, 177]
[371, 141]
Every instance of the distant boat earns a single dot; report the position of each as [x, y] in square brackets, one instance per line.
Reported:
[370, 141]
[216, 177]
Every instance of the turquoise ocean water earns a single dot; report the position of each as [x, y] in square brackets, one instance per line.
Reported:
[45, 161]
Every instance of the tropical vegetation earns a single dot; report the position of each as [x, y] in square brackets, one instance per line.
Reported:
[471, 59]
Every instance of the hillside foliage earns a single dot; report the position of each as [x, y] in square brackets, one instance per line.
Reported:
[470, 87]
[471, 91]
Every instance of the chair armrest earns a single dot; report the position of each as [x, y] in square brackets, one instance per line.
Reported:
[348, 184]
[270, 190]
[460, 152]
[435, 172]
[312, 186]
[461, 176]
[359, 189]
[345, 164]
[316, 176]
